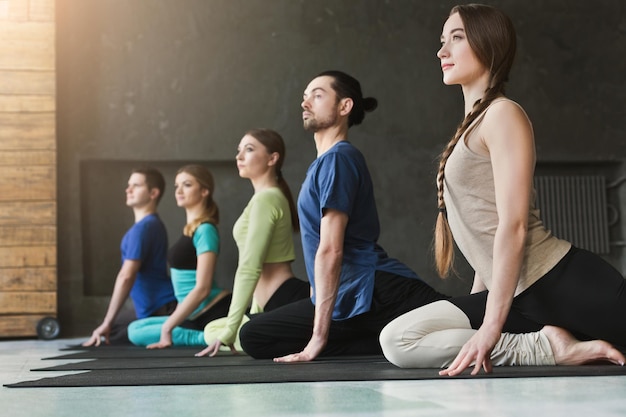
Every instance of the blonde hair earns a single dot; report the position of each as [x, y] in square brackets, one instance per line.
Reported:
[211, 213]
[491, 36]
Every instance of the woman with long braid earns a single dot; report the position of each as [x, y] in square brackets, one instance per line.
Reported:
[192, 261]
[485, 200]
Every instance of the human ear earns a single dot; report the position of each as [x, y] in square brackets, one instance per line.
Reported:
[274, 157]
[345, 106]
[154, 193]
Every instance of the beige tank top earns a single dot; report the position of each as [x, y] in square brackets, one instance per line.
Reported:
[469, 195]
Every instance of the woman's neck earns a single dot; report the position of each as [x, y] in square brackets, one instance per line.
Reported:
[474, 92]
[194, 212]
[264, 182]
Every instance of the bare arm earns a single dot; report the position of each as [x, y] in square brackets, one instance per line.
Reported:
[123, 284]
[327, 268]
[508, 136]
[204, 281]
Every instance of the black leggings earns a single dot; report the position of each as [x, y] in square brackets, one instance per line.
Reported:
[219, 310]
[582, 293]
[288, 329]
[291, 290]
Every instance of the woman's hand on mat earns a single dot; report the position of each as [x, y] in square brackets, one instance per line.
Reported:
[214, 347]
[310, 352]
[476, 350]
[165, 342]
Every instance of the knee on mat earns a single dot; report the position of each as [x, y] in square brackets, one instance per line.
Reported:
[390, 338]
[249, 341]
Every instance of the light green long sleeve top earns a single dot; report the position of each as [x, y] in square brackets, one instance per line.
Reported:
[263, 234]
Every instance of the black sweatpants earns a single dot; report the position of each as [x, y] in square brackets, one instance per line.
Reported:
[582, 293]
[288, 329]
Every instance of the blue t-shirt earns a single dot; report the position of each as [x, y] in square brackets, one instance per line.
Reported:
[183, 258]
[146, 242]
[339, 180]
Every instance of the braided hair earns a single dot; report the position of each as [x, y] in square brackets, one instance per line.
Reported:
[491, 36]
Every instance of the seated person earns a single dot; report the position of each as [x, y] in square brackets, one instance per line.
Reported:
[263, 234]
[192, 260]
[143, 275]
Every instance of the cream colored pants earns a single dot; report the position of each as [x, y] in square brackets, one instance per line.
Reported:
[431, 336]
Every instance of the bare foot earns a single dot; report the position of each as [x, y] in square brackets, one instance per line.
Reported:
[570, 351]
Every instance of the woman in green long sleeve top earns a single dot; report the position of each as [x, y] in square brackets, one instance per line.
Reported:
[264, 279]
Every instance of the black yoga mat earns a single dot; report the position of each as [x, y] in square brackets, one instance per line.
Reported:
[152, 368]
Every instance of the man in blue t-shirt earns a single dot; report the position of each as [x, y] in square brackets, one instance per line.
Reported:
[143, 275]
[356, 288]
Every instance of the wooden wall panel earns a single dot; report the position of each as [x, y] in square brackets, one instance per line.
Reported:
[28, 230]
[26, 256]
[31, 302]
[17, 325]
[24, 103]
[28, 279]
[38, 213]
[27, 183]
[27, 82]
[14, 10]
[26, 235]
[41, 10]
[27, 131]
[20, 158]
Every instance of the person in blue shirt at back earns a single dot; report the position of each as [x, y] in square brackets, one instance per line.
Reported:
[356, 288]
[143, 275]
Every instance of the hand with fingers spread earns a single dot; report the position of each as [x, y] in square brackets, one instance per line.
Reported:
[214, 348]
[475, 351]
[165, 342]
[103, 331]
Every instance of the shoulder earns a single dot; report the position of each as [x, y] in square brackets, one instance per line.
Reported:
[206, 238]
[504, 111]
[268, 203]
[269, 196]
[148, 224]
[205, 229]
[342, 157]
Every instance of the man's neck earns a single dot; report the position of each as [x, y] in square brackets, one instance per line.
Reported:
[327, 138]
[141, 212]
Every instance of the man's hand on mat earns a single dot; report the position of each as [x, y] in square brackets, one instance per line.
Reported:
[476, 350]
[214, 347]
[96, 337]
[310, 352]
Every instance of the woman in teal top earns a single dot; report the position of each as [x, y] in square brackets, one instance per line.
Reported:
[264, 234]
[192, 260]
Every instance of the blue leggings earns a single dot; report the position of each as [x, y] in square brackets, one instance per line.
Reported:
[190, 333]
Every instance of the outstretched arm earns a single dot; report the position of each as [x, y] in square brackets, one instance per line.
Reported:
[204, 281]
[507, 135]
[327, 268]
[123, 284]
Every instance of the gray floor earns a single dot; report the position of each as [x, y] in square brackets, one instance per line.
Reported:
[554, 397]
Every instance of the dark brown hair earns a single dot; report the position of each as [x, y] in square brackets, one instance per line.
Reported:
[154, 179]
[273, 142]
[346, 86]
[491, 36]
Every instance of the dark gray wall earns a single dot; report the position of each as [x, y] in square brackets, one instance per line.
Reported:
[172, 81]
